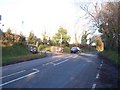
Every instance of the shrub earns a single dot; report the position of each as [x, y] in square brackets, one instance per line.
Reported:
[41, 47]
[66, 50]
[47, 48]
[44, 47]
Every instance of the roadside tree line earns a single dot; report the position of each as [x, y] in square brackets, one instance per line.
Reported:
[104, 17]
[8, 38]
[61, 38]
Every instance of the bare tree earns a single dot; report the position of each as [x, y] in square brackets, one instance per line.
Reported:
[105, 17]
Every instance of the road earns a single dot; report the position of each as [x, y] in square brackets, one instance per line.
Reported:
[53, 71]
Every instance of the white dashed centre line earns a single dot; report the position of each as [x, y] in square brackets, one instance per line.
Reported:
[101, 65]
[61, 62]
[68, 57]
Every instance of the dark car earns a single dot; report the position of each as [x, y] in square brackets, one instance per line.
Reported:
[75, 49]
[33, 49]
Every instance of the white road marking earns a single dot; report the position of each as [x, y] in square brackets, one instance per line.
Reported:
[56, 60]
[68, 57]
[101, 65]
[46, 64]
[12, 74]
[94, 85]
[74, 56]
[52, 62]
[61, 62]
[35, 71]
[97, 76]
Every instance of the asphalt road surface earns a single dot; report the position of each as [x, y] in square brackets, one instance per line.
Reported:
[54, 71]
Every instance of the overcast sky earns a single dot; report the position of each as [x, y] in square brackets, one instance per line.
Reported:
[42, 15]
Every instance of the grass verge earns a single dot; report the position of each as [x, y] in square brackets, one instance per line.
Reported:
[18, 53]
[111, 55]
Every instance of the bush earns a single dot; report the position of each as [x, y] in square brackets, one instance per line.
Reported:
[66, 50]
[47, 48]
[41, 47]
[44, 47]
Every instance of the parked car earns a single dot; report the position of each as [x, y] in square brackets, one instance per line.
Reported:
[32, 49]
[75, 49]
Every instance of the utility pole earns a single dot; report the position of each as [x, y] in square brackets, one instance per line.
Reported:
[61, 41]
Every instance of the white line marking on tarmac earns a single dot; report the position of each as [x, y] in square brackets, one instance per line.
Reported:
[52, 62]
[97, 76]
[93, 87]
[46, 64]
[36, 71]
[61, 62]
[55, 60]
[101, 65]
[74, 57]
[12, 74]
[68, 57]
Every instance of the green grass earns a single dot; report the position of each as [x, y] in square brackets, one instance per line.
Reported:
[17, 53]
[15, 50]
[111, 55]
